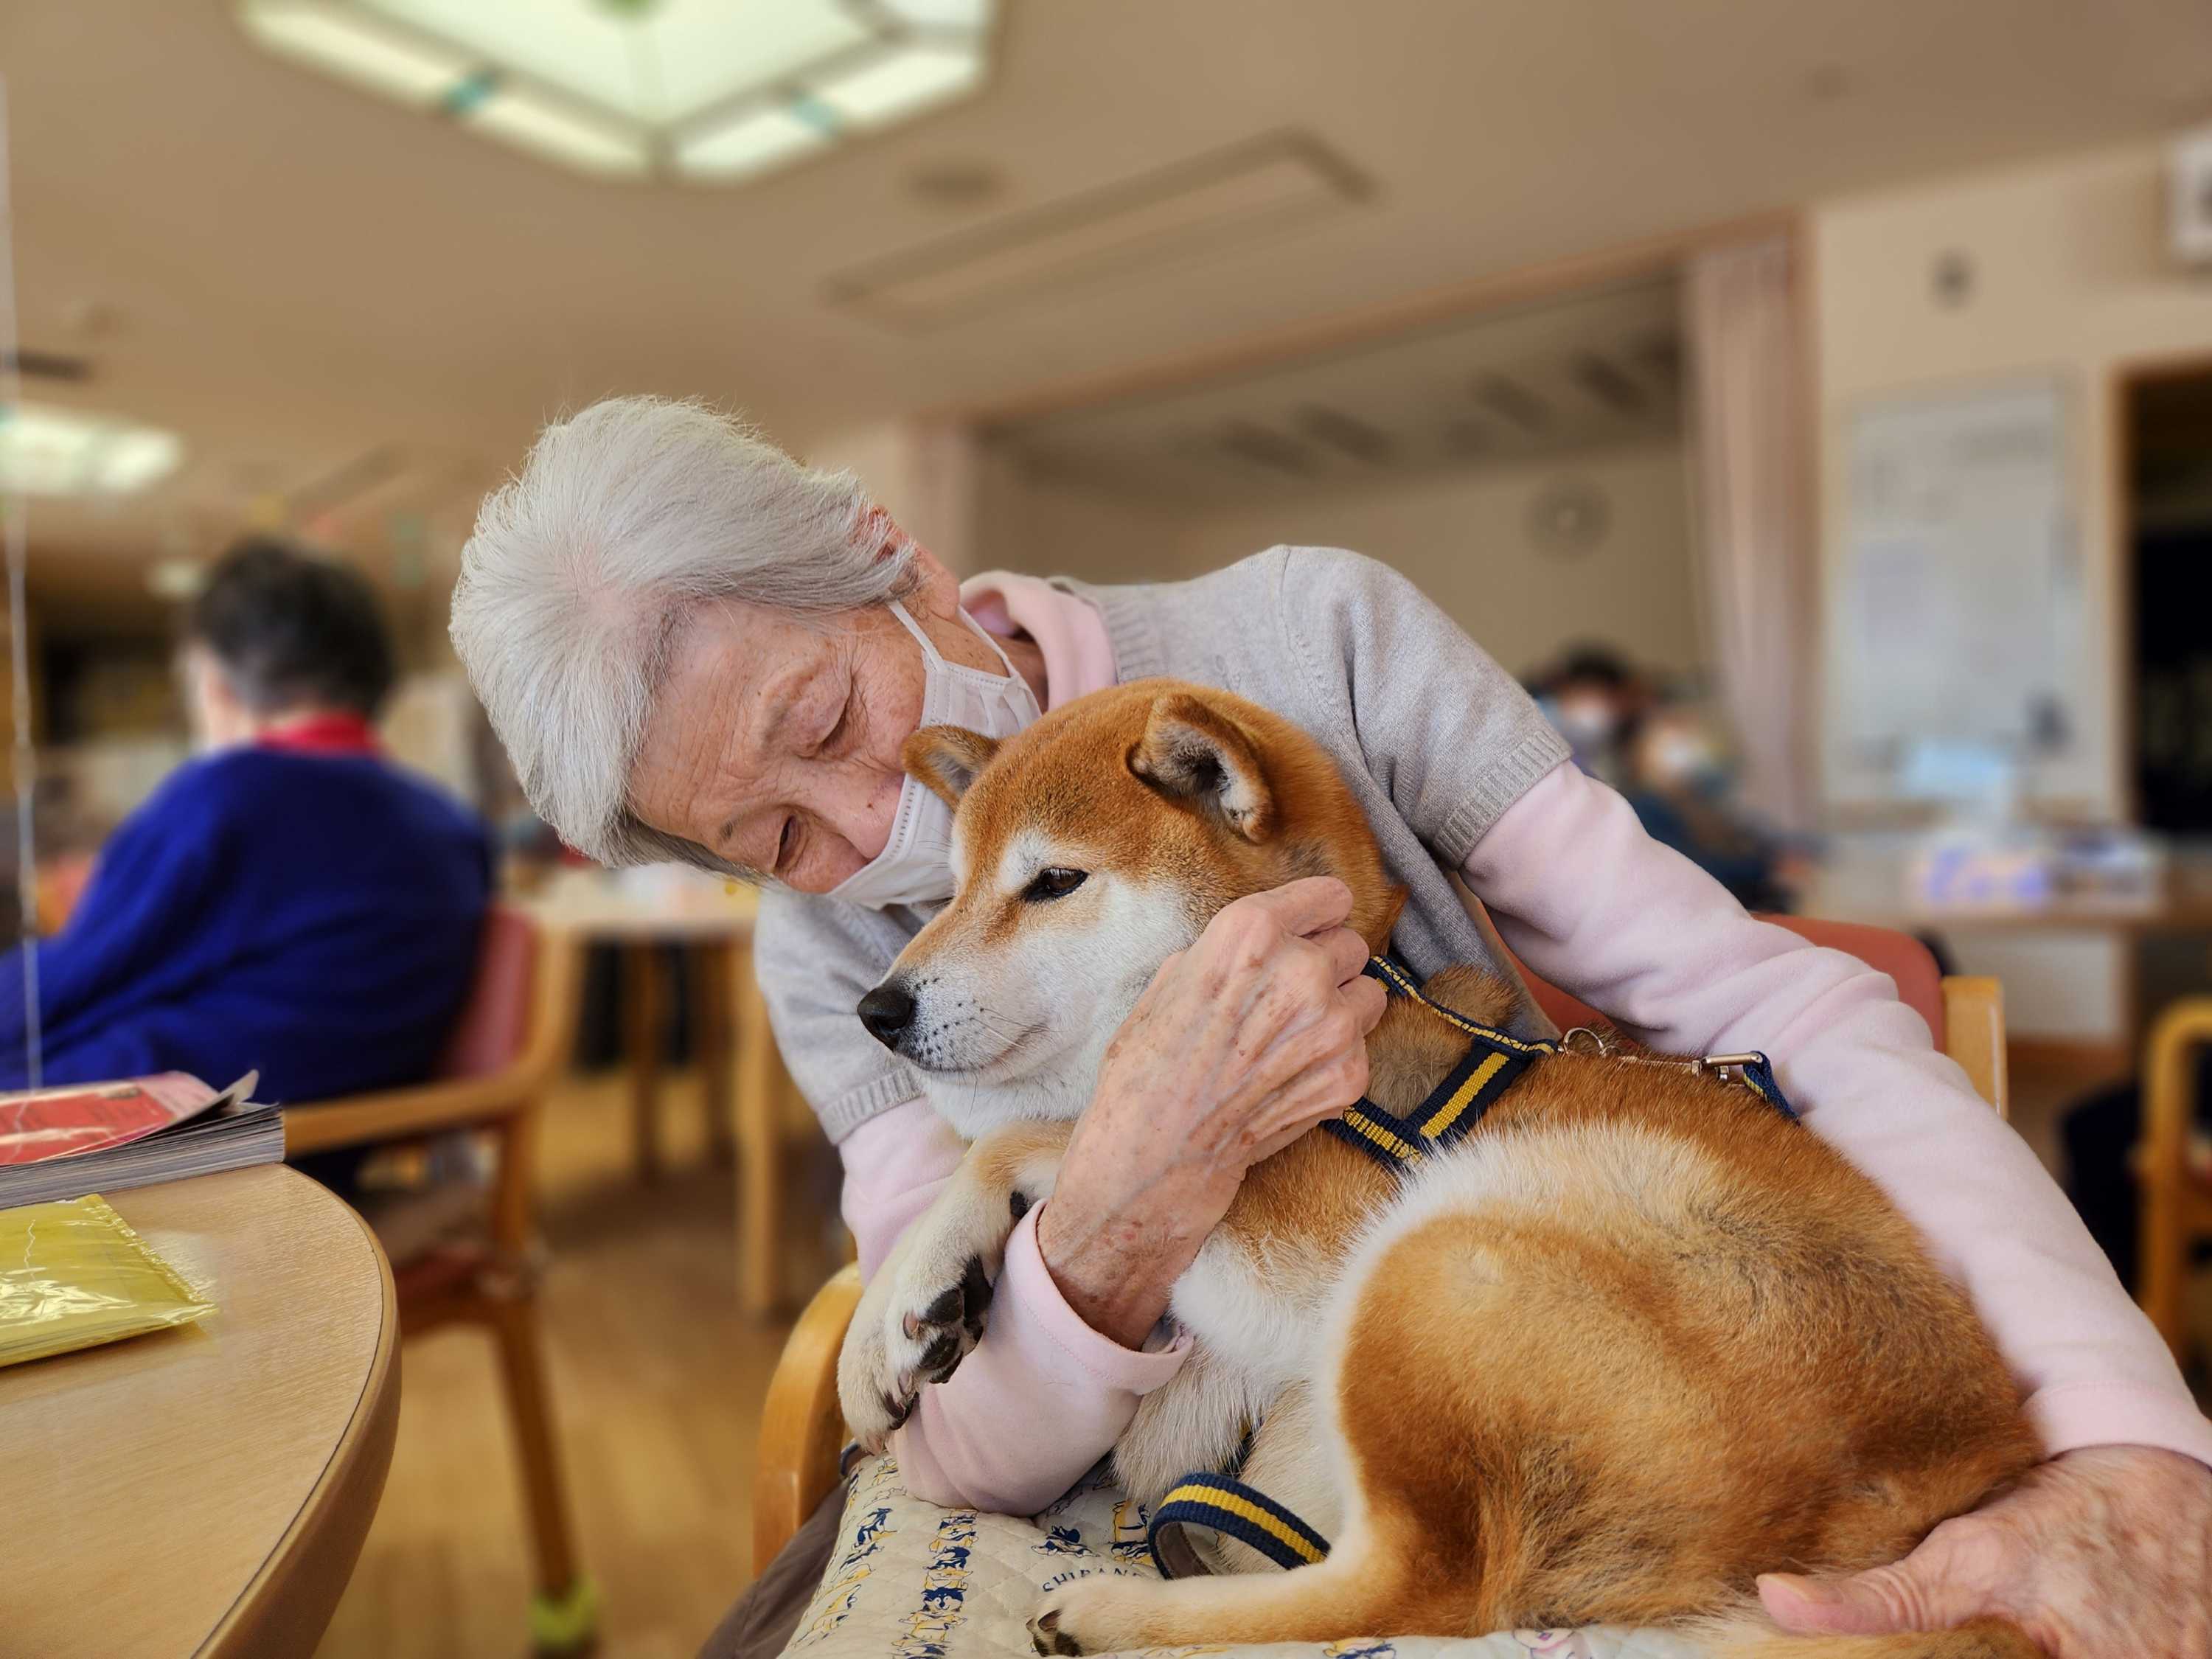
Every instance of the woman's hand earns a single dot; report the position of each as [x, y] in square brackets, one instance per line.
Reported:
[1240, 1045]
[2100, 1552]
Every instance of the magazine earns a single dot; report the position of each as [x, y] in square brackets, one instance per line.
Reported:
[104, 1137]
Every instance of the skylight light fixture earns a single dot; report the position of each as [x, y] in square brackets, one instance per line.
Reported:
[45, 451]
[708, 89]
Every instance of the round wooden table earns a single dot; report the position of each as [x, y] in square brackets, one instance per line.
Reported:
[205, 1491]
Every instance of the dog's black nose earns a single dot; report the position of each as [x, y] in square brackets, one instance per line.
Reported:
[887, 1011]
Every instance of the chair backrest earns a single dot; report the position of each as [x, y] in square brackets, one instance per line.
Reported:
[1903, 957]
[494, 1026]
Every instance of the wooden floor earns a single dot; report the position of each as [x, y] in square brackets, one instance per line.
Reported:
[657, 1381]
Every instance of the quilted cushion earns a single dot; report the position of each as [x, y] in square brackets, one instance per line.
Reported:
[910, 1580]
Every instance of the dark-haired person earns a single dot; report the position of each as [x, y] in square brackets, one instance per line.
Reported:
[288, 901]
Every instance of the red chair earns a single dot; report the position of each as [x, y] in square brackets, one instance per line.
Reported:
[514, 1036]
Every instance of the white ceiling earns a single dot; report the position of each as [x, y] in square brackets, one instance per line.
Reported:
[310, 284]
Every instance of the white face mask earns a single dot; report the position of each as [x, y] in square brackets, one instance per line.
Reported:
[915, 865]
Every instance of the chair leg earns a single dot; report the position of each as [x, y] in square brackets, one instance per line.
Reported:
[643, 1035]
[760, 1096]
[715, 1012]
[564, 1606]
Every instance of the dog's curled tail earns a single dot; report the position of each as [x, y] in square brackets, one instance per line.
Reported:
[1753, 1635]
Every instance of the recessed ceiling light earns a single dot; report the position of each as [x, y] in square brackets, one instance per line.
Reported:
[46, 451]
[176, 578]
[705, 88]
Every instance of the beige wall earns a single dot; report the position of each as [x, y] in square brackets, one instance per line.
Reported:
[922, 472]
[1463, 537]
[2072, 280]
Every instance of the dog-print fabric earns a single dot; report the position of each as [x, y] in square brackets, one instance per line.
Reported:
[910, 1580]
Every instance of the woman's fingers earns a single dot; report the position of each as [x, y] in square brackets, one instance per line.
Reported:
[1346, 952]
[1311, 904]
[1368, 1000]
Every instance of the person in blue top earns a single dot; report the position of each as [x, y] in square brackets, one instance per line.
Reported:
[289, 900]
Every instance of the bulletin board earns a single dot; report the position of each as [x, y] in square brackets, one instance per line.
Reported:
[1957, 612]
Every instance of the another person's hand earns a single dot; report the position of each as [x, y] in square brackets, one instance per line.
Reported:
[2101, 1553]
[1241, 1044]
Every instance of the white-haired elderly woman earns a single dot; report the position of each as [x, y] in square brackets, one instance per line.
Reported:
[697, 648]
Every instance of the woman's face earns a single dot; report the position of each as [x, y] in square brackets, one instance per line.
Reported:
[775, 741]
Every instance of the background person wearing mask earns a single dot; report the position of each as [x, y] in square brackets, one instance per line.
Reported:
[1677, 780]
[287, 901]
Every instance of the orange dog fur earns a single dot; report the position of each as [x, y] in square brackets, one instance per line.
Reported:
[1634, 1342]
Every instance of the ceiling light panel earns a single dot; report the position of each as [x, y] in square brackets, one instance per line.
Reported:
[45, 451]
[715, 89]
[902, 81]
[757, 140]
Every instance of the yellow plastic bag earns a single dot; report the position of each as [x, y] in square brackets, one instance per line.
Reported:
[74, 1274]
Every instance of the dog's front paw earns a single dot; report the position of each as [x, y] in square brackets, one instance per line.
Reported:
[934, 1320]
[872, 1409]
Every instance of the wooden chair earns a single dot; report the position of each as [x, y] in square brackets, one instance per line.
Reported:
[803, 1432]
[514, 1036]
[2175, 1183]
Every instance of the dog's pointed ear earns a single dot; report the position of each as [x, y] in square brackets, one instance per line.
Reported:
[1196, 753]
[944, 759]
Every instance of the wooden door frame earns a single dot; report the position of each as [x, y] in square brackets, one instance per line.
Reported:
[2121, 383]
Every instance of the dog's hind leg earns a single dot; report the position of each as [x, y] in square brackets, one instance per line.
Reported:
[1360, 1590]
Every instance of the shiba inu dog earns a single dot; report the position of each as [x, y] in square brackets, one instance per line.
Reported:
[1636, 1339]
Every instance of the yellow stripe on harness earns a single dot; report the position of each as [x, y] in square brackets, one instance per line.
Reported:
[1438, 1123]
[1225, 1506]
[1397, 979]
[1393, 1146]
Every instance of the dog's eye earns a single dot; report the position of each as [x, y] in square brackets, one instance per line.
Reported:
[1054, 883]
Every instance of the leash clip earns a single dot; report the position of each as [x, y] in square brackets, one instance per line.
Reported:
[1598, 1045]
[1721, 1065]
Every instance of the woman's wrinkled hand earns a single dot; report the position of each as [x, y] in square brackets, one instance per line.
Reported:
[1239, 1044]
[2099, 1554]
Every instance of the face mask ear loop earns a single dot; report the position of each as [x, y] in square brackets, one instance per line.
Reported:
[936, 659]
[929, 652]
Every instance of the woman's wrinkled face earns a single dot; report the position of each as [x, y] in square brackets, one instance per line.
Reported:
[775, 741]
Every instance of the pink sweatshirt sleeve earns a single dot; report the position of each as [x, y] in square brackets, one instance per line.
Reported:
[1043, 1396]
[1596, 906]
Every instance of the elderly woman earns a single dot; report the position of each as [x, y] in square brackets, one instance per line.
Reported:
[697, 648]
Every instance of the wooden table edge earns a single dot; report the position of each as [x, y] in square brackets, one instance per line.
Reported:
[287, 1605]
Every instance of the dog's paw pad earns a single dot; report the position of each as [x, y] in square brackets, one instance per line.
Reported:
[1046, 1636]
[940, 1329]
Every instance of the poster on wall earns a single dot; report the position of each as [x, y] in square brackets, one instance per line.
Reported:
[1958, 619]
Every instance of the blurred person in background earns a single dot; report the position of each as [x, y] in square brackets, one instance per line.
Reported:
[1594, 697]
[1659, 749]
[697, 648]
[286, 902]
[1677, 779]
